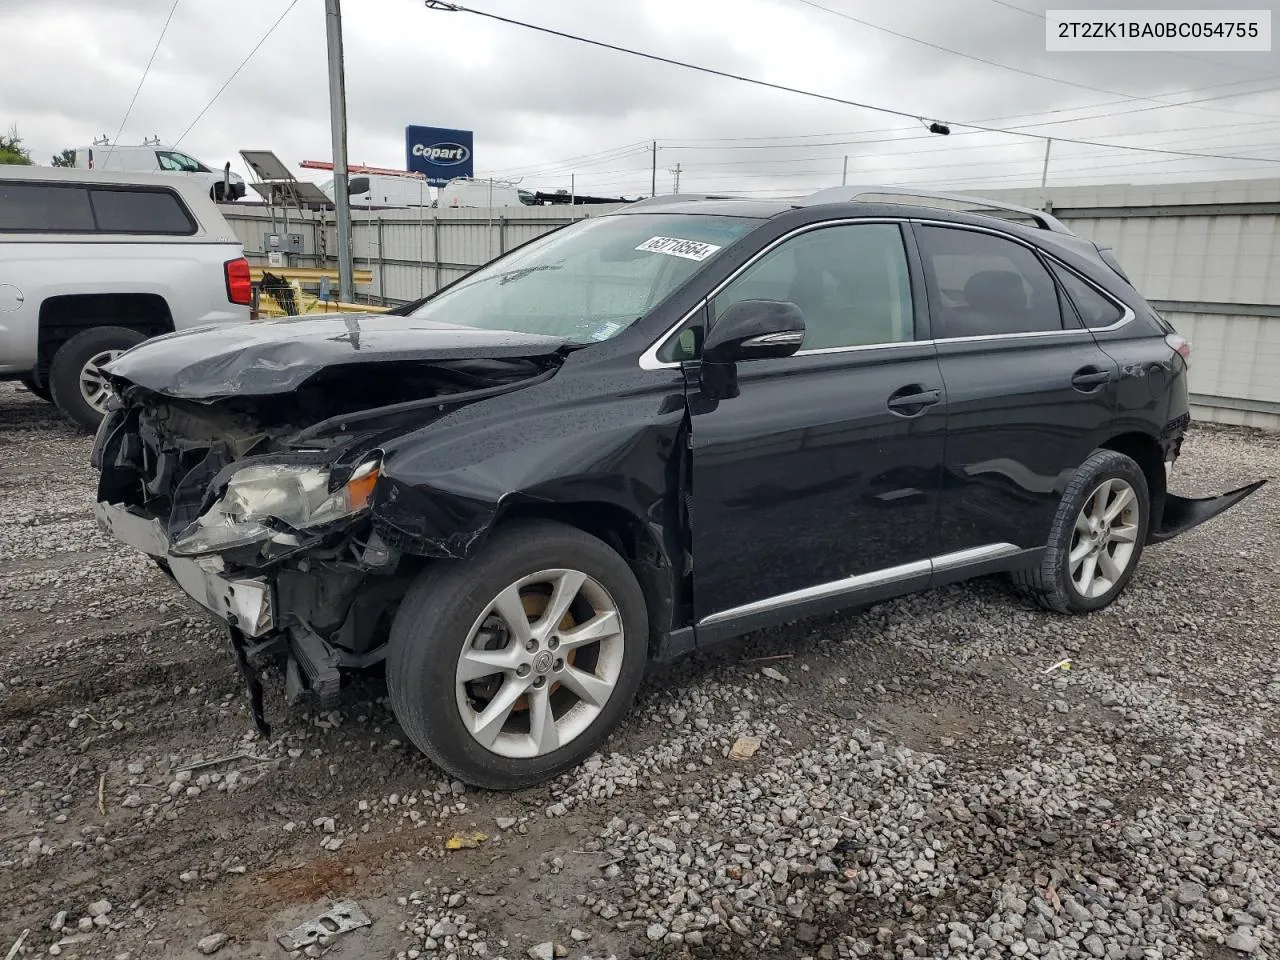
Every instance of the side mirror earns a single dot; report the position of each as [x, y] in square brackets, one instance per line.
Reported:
[754, 330]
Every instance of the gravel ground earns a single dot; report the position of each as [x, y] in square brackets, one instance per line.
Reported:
[925, 784]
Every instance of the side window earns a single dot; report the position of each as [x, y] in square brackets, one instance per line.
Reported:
[984, 285]
[141, 211]
[1094, 309]
[45, 208]
[850, 282]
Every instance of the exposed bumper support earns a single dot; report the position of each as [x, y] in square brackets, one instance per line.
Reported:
[242, 603]
[1183, 513]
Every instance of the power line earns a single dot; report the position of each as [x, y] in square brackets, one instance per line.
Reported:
[442, 5]
[236, 72]
[143, 78]
[983, 60]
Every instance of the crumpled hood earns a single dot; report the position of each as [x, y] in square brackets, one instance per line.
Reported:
[277, 356]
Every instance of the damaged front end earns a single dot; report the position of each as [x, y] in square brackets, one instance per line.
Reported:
[264, 509]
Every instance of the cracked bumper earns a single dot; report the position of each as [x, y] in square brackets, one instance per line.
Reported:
[244, 603]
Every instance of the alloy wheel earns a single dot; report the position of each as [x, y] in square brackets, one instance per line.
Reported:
[540, 663]
[1104, 541]
[93, 382]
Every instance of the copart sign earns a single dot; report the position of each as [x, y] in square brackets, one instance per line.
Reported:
[441, 153]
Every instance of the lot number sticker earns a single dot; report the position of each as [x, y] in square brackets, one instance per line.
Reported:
[675, 247]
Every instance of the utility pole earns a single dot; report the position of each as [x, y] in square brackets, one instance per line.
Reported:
[844, 177]
[653, 187]
[573, 190]
[675, 172]
[338, 127]
[1044, 175]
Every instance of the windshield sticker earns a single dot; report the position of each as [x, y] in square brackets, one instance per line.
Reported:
[675, 247]
[606, 330]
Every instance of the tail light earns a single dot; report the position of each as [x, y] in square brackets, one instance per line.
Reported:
[1181, 346]
[239, 285]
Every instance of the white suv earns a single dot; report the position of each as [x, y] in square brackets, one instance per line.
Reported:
[93, 263]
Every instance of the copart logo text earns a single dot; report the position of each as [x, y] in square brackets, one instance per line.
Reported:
[444, 154]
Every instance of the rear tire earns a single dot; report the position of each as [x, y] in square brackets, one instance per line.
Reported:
[40, 390]
[1096, 539]
[75, 380]
[457, 650]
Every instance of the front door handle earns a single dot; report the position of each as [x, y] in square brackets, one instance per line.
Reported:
[912, 400]
[1088, 379]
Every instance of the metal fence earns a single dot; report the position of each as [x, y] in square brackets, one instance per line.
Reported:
[1206, 254]
[411, 252]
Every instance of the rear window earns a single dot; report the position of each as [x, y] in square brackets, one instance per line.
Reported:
[75, 208]
[45, 208]
[140, 211]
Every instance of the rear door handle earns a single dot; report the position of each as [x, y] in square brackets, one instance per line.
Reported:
[912, 400]
[1087, 379]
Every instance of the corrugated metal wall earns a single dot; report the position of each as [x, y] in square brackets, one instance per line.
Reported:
[411, 252]
[1206, 254]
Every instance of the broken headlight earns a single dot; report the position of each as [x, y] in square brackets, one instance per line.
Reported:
[260, 499]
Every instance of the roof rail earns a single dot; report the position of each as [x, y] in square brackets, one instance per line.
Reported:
[847, 194]
[666, 198]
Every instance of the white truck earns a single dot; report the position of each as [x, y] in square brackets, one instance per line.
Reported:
[93, 263]
[220, 183]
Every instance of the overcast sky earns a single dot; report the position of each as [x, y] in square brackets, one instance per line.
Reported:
[543, 107]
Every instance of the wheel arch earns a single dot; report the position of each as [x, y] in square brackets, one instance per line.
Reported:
[625, 532]
[1144, 449]
[65, 315]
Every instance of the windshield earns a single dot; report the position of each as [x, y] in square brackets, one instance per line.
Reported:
[172, 160]
[590, 280]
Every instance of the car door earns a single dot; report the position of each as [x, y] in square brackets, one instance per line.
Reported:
[819, 480]
[1029, 392]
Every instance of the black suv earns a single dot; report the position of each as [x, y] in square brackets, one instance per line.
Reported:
[646, 433]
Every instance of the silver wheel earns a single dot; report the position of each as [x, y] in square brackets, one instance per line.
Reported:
[93, 383]
[540, 663]
[1105, 538]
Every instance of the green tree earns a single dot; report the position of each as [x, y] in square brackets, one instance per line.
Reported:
[67, 158]
[11, 150]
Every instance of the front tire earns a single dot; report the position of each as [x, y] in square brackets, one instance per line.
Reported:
[1097, 537]
[76, 380]
[510, 668]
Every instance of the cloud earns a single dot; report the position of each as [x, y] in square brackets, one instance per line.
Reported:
[534, 100]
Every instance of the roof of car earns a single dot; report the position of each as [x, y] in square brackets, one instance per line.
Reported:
[855, 201]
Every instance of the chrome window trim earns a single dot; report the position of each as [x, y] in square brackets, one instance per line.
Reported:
[939, 564]
[649, 359]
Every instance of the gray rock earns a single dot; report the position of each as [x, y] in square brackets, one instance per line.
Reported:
[655, 932]
[579, 936]
[1093, 943]
[1243, 941]
[99, 908]
[212, 943]
[807, 933]
[773, 674]
[542, 951]
[1189, 893]
[506, 823]
[59, 921]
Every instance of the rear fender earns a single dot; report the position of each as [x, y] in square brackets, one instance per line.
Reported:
[1181, 514]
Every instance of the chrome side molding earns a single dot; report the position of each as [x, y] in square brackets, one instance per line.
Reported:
[862, 581]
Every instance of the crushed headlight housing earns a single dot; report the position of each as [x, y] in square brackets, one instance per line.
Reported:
[261, 498]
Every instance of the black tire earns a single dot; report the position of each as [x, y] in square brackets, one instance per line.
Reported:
[1050, 584]
[40, 390]
[436, 617]
[69, 362]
